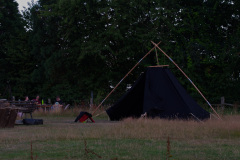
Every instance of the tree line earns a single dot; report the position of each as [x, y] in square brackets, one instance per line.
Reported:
[72, 48]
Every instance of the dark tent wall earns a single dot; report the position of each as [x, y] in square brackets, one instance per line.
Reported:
[158, 93]
[131, 104]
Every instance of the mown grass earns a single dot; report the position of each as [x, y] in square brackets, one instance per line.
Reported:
[61, 138]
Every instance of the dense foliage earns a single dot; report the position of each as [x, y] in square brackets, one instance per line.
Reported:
[74, 47]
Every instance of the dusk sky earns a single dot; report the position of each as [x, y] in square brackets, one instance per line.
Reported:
[22, 3]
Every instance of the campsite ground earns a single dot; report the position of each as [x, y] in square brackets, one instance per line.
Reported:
[60, 138]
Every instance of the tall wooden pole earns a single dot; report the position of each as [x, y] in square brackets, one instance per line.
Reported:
[125, 77]
[156, 56]
[187, 78]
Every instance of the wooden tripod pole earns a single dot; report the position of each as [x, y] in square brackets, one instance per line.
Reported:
[187, 78]
[125, 77]
[156, 56]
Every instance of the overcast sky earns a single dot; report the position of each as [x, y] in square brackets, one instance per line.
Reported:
[22, 3]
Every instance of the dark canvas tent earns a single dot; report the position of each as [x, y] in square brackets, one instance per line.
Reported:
[158, 93]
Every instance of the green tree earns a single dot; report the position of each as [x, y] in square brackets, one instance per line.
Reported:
[15, 64]
[80, 46]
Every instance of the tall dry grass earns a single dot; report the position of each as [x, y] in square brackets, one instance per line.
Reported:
[159, 128]
[59, 129]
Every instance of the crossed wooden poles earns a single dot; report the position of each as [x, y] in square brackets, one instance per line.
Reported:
[156, 46]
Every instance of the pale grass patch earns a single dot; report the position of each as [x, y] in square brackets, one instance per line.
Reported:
[73, 112]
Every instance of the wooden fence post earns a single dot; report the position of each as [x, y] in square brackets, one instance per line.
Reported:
[222, 102]
[91, 100]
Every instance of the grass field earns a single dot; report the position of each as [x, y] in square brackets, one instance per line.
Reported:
[60, 138]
